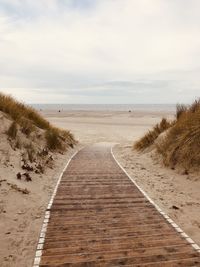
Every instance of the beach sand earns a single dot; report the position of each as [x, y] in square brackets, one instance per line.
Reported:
[176, 193]
[21, 215]
[110, 126]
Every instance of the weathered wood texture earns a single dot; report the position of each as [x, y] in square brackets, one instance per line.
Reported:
[100, 218]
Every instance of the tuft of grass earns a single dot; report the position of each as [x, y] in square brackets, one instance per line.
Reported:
[12, 130]
[194, 107]
[180, 109]
[184, 109]
[53, 139]
[149, 138]
[58, 139]
[27, 127]
[181, 146]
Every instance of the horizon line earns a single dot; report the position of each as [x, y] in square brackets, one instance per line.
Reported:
[106, 103]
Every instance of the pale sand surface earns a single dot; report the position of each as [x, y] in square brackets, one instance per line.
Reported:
[112, 126]
[166, 187]
[21, 216]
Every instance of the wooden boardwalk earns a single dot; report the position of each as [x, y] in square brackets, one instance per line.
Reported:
[100, 218]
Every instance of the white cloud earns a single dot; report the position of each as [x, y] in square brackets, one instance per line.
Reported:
[62, 44]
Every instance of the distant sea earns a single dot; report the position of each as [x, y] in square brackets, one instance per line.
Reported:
[106, 107]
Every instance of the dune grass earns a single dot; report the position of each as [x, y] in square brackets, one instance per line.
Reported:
[29, 120]
[19, 111]
[149, 138]
[181, 146]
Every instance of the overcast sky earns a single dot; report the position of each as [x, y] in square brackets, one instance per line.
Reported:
[100, 51]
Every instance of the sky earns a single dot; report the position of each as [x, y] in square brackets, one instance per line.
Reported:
[100, 51]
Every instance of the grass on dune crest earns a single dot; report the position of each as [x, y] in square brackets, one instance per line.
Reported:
[28, 119]
[149, 138]
[180, 146]
[19, 111]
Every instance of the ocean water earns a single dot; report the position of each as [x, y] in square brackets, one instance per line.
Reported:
[106, 107]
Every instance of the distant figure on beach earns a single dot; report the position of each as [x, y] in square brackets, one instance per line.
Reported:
[58, 110]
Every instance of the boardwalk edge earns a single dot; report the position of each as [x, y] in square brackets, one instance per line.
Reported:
[167, 218]
[41, 240]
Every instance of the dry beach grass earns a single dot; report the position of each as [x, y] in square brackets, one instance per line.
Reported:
[180, 146]
[29, 120]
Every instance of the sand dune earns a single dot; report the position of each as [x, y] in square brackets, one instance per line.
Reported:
[29, 169]
[21, 215]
